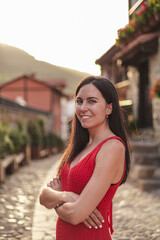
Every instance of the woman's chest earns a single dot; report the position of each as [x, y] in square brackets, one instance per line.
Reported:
[75, 178]
[82, 155]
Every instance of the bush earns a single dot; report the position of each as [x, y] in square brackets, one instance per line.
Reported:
[132, 126]
[34, 133]
[18, 138]
[6, 144]
[55, 141]
[41, 124]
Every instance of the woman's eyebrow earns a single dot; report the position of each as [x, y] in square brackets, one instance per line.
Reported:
[78, 98]
[92, 98]
[87, 98]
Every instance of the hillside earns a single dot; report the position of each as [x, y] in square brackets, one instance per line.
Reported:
[15, 62]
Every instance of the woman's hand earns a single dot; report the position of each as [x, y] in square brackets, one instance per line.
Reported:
[69, 196]
[95, 220]
[55, 184]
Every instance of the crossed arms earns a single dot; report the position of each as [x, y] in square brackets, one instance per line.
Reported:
[75, 208]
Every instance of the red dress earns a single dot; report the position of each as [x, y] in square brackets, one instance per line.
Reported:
[75, 179]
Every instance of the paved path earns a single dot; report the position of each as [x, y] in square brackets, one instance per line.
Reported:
[44, 220]
[18, 196]
[136, 213]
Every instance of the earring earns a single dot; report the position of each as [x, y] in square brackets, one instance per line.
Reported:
[106, 116]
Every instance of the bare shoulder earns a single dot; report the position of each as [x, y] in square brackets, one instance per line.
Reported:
[113, 149]
[113, 145]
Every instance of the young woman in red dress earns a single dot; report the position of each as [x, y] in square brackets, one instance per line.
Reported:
[93, 166]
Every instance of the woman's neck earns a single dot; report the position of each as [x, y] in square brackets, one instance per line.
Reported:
[97, 136]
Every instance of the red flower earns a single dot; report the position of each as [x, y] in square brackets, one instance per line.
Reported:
[155, 90]
[144, 5]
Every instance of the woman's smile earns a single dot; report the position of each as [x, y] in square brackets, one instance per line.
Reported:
[91, 107]
[85, 117]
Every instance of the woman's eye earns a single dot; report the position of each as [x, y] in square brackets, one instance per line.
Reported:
[92, 101]
[78, 101]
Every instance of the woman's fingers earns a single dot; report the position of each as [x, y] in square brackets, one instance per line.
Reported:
[55, 184]
[92, 222]
[95, 219]
[98, 215]
[87, 224]
[59, 183]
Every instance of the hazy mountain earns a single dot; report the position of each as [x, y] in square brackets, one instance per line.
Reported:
[15, 62]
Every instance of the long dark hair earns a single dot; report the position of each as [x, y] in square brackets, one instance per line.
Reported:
[79, 136]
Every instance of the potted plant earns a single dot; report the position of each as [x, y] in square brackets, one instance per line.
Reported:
[35, 138]
[155, 95]
[155, 89]
[6, 144]
[141, 22]
[55, 143]
[19, 139]
[154, 7]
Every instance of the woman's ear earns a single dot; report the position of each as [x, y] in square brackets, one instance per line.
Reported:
[109, 109]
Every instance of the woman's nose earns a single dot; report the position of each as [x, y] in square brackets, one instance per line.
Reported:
[84, 107]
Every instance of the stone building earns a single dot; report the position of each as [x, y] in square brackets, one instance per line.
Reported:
[11, 112]
[41, 97]
[133, 66]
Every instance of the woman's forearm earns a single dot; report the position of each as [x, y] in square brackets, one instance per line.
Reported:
[50, 198]
[66, 212]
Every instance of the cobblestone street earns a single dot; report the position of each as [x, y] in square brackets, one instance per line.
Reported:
[136, 214]
[18, 196]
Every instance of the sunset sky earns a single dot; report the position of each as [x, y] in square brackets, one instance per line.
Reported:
[72, 33]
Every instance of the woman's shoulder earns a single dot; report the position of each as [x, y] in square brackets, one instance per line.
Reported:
[113, 143]
[112, 146]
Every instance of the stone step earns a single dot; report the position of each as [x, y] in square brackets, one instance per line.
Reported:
[148, 184]
[157, 172]
[146, 158]
[144, 134]
[142, 171]
[144, 146]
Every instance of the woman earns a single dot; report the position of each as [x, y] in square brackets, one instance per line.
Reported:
[94, 164]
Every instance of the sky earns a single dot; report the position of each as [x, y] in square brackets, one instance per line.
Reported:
[67, 33]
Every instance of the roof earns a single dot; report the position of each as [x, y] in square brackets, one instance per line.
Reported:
[107, 57]
[57, 83]
[9, 103]
[52, 83]
[137, 47]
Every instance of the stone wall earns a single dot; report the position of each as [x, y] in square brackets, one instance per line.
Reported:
[133, 77]
[154, 74]
[11, 112]
[106, 71]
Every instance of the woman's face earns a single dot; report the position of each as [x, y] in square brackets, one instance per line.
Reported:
[91, 107]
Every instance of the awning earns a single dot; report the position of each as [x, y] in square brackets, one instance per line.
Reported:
[138, 49]
[107, 57]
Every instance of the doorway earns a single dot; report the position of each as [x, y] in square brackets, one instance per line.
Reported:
[145, 104]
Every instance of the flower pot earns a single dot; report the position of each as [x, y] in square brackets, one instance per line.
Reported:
[152, 21]
[35, 152]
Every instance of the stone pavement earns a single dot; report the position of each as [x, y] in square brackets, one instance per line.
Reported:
[136, 214]
[18, 196]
